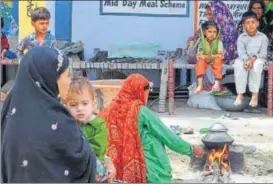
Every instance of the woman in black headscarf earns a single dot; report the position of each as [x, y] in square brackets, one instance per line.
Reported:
[41, 142]
[258, 7]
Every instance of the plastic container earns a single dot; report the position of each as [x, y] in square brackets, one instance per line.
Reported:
[204, 131]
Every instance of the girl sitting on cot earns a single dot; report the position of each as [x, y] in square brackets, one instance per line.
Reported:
[210, 52]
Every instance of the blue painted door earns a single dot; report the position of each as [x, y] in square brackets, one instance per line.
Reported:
[63, 13]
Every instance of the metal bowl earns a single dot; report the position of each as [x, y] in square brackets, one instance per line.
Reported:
[226, 102]
[218, 127]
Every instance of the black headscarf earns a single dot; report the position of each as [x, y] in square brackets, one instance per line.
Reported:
[41, 141]
[262, 26]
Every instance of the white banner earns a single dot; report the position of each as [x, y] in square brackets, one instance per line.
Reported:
[161, 8]
[237, 8]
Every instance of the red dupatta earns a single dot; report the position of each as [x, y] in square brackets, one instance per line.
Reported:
[124, 142]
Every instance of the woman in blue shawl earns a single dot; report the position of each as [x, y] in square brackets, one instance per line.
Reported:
[228, 30]
[218, 12]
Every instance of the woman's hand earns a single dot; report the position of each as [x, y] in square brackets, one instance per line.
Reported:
[197, 151]
[110, 168]
[191, 39]
[3, 53]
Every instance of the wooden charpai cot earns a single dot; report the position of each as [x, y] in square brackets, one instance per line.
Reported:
[173, 65]
[164, 64]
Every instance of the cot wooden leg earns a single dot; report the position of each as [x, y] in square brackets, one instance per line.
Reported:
[71, 70]
[270, 90]
[163, 87]
[171, 86]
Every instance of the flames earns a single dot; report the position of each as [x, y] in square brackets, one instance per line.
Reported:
[220, 156]
[218, 166]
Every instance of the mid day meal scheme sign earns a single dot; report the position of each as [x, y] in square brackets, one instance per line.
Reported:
[162, 8]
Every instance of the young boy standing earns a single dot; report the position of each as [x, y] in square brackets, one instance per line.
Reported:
[210, 52]
[41, 36]
[252, 50]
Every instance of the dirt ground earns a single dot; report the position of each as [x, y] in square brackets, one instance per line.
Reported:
[247, 129]
[259, 167]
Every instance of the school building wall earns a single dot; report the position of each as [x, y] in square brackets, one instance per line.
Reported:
[101, 31]
[81, 20]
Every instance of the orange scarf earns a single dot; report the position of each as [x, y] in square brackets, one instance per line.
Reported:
[124, 142]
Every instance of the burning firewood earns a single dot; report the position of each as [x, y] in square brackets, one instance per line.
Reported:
[206, 173]
[217, 164]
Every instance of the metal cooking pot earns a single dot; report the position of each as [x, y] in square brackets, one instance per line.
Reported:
[226, 102]
[217, 137]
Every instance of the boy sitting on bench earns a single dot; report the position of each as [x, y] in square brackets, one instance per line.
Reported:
[252, 50]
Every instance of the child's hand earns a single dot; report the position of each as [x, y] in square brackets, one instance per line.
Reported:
[111, 170]
[99, 179]
[203, 56]
[100, 172]
[3, 97]
[190, 40]
[218, 56]
[209, 58]
[249, 64]
[200, 55]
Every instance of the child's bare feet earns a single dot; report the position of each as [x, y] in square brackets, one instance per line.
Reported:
[239, 100]
[254, 100]
[198, 90]
[216, 86]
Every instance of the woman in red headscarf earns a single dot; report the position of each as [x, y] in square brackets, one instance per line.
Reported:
[137, 136]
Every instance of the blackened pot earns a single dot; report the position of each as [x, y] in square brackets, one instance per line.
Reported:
[217, 137]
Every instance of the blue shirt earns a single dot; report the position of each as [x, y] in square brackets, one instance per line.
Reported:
[31, 41]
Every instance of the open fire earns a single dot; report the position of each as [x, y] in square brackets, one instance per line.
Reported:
[220, 156]
[218, 165]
